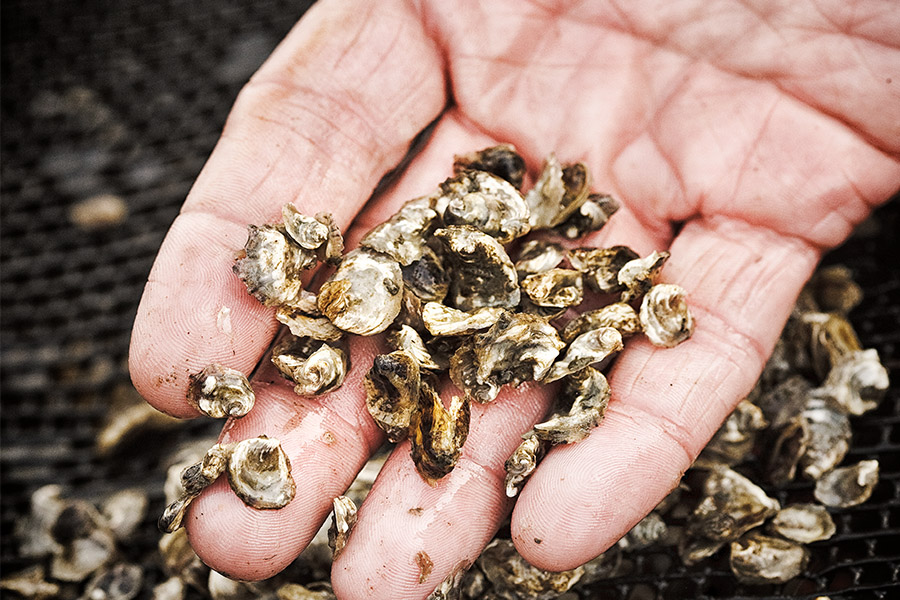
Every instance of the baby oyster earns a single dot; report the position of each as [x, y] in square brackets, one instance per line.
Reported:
[848, 486]
[426, 277]
[392, 392]
[522, 463]
[513, 577]
[484, 273]
[537, 256]
[306, 231]
[645, 533]
[590, 216]
[486, 202]
[601, 266]
[618, 315]
[193, 480]
[443, 320]
[804, 523]
[734, 440]
[758, 559]
[517, 348]
[638, 276]
[364, 294]
[406, 338]
[332, 250]
[304, 325]
[590, 347]
[219, 391]
[665, 317]
[858, 381]
[588, 392]
[317, 368]
[342, 521]
[501, 160]
[828, 436]
[438, 434]
[834, 290]
[270, 265]
[403, 236]
[558, 193]
[557, 288]
[260, 473]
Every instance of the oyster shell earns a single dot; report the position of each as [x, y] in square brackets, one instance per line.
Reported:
[665, 316]
[834, 290]
[219, 391]
[804, 523]
[558, 193]
[588, 392]
[847, 486]
[831, 337]
[590, 216]
[758, 559]
[645, 533]
[364, 294]
[406, 338]
[537, 256]
[556, 288]
[316, 367]
[270, 265]
[438, 434]
[193, 480]
[734, 440]
[601, 266]
[517, 348]
[392, 392]
[442, 320]
[342, 521]
[403, 236]
[522, 463]
[486, 202]
[305, 231]
[638, 276]
[332, 250]
[618, 315]
[512, 577]
[260, 473]
[828, 437]
[426, 277]
[590, 347]
[501, 160]
[858, 381]
[484, 274]
[306, 326]
[122, 581]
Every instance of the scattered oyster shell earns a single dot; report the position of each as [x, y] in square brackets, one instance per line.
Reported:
[847, 486]
[537, 256]
[665, 316]
[333, 249]
[589, 217]
[342, 521]
[758, 559]
[260, 473]
[734, 440]
[442, 320]
[306, 231]
[406, 338]
[270, 265]
[827, 437]
[618, 315]
[858, 381]
[588, 392]
[403, 236]
[830, 337]
[557, 288]
[303, 325]
[558, 193]
[316, 367]
[522, 463]
[392, 392]
[501, 160]
[638, 276]
[426, 277]
[219, 391]
[364, 294]
[834, 290]
[804, 523]
[193, 480]
[601, 266]
[590, 347]
[513, 577]
[484, 273]
[487, 203]
[438, 434]
[644, 533]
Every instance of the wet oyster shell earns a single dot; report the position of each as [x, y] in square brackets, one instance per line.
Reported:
[828, 437]
[270, 265]
[333, 249]
[406, 338]
[834, 290]
[588, 393]
[789, 446]
[858, 381]
[442, 320]
[315, 371]
[403, 236]
[501, 160]
[260, 473]
[618, 315]
[513, 577]
[590, 216]
[219, 391]
[537, 256]
[665, 316]
[590, 347]
[305, 326]
[522, 463]
[426, 277]
[392, 392]
[804, 523]
[644, 534]
[364, 294]
[557, 288]
[343, 518]
[437, 434]
[305, 231]
[759, 559]
[486, 202]
[848, 486]
[638, 276]
[831, 337]
[601, 266]
[484, 274]
[734, 440]
[558, 193]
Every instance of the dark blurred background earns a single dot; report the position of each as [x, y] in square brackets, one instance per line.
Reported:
[109, 110]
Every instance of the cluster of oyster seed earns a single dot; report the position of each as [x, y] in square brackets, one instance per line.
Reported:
[438, 277]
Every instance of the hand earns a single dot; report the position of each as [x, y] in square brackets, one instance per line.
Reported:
[746, 139]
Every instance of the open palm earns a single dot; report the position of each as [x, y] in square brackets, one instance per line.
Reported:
[746, 138]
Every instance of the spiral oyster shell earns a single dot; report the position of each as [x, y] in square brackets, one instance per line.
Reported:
[665, 316]
[485, 275]
[219, 391]
[259, 472]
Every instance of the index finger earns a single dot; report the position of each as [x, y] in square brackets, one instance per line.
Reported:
[334, 108]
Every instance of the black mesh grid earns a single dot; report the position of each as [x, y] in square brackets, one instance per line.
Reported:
[128, 98]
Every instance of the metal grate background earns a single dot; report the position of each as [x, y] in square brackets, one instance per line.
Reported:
[128, 98]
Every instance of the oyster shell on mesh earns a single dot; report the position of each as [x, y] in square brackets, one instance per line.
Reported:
[403, 236]
[518, 347]
[316, 367]
[639, 275]
[828, 436]
[271, 264]
[437, 434]
[537, 256]
[343, 518]
[364, 295]
[84, 543]
[665, 316]
[588, 348]
[644, 534]
[734, 440]
[484, 275]
[306, 231]
[122, 581]
[618, 315]
[512, 577]
[590, 216]
[731, 506]
[783, 402]
[426, 277]
[501, 160]
[259, 472]
[758, 559]
[789, 446]
[847, 486]
[304, 325]
[556, 288]
[486, 202]
[406, 338]
[831, 337]
[219, 391]
[858, 381]
[804, 523]
[392, 392]
[588, 393]
[441, 320]
[522, 462]
[601, 266]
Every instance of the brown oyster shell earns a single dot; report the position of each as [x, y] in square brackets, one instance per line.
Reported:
[486, 202]
[304, 325]
[618, 315]
[761, 559]
[437, 434]
[403, 236]
[406, 338]
[804, 523]
[558, 193]
[484, 273]
[665, 316]
[392, 392]
[587, 393]
[260, 473]
[501, 160]
[343, 518]
[639, 275]
[316, 367]
[522, 463]
[426, 277]
[442, 320]
[590, 216]
[306, 231]
[513, 577]
[219, 391]
[556, 288]
[537, 256]
[590, 347]
[270, 265]
[847, 486]
[601, 266]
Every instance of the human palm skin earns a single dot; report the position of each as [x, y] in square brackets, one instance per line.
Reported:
[745, 137]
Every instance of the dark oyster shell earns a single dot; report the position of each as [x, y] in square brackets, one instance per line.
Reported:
[343, 518]
[590, 216]
[392, 392]
[618, 315]
[639, 275]
[601, 266]
[587, 393]
[501, 160]
[486, 202]
[270, 265]
[219, 391]
[484, 274]
[438, 434]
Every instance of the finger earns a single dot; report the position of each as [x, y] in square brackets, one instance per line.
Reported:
[666, 403]
[326, 116]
